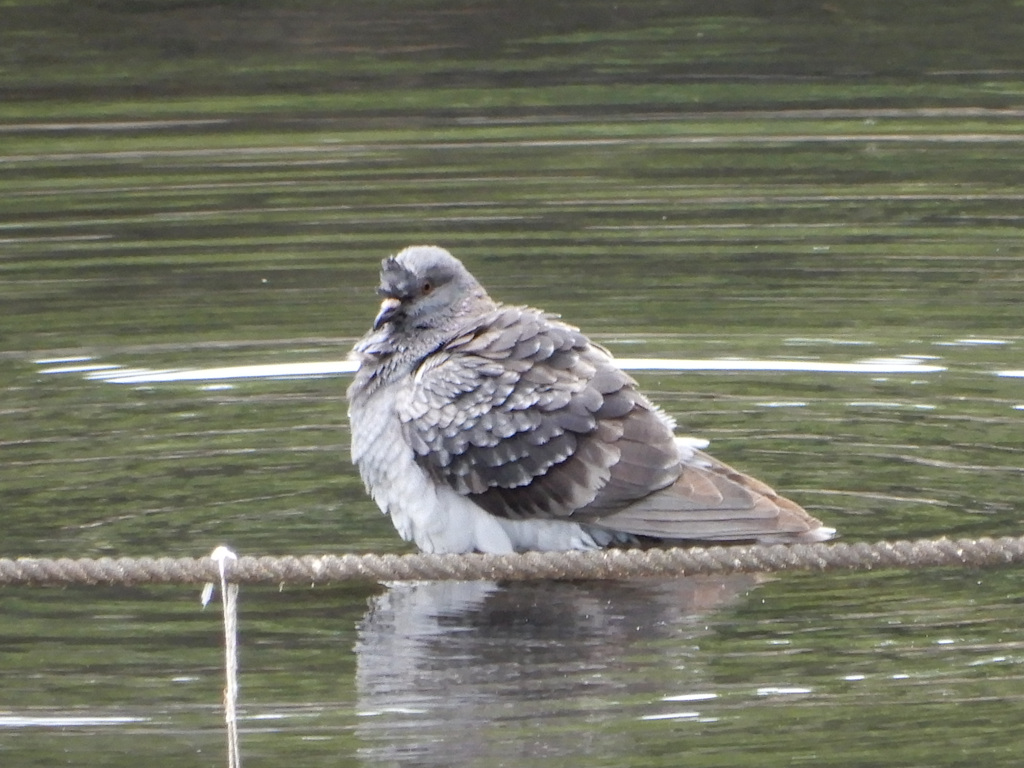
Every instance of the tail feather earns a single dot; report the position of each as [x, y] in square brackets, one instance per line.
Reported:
[712, 501]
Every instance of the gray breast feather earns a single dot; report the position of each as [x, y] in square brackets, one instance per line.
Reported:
[521, 413]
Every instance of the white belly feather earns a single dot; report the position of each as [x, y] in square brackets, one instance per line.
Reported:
[433, 516]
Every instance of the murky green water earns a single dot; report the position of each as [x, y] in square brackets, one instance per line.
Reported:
[817, 206]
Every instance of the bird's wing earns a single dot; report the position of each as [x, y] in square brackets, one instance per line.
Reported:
[525, 416]
[712, 501]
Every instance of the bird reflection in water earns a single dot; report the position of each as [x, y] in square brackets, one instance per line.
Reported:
[454, 672]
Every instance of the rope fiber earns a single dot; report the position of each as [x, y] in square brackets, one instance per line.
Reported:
[594, 564]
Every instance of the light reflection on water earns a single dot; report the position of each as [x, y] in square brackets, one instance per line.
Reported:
[117, 374]
[66, 721]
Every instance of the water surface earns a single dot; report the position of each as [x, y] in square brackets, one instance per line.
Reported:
[801, 229]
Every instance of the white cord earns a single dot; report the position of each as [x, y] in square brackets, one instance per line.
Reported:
[229, 599]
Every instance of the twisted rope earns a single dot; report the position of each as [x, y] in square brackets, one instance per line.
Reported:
[597, 564]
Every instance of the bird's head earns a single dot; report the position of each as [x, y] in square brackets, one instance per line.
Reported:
[422, 287]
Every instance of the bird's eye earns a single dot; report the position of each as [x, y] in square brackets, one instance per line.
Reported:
[427, 287]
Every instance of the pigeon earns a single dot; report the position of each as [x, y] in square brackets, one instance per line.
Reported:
[484, 427]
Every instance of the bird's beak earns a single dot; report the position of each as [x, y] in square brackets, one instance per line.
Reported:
[388, 309]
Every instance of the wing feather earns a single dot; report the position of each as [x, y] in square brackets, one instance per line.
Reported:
[523, 414]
